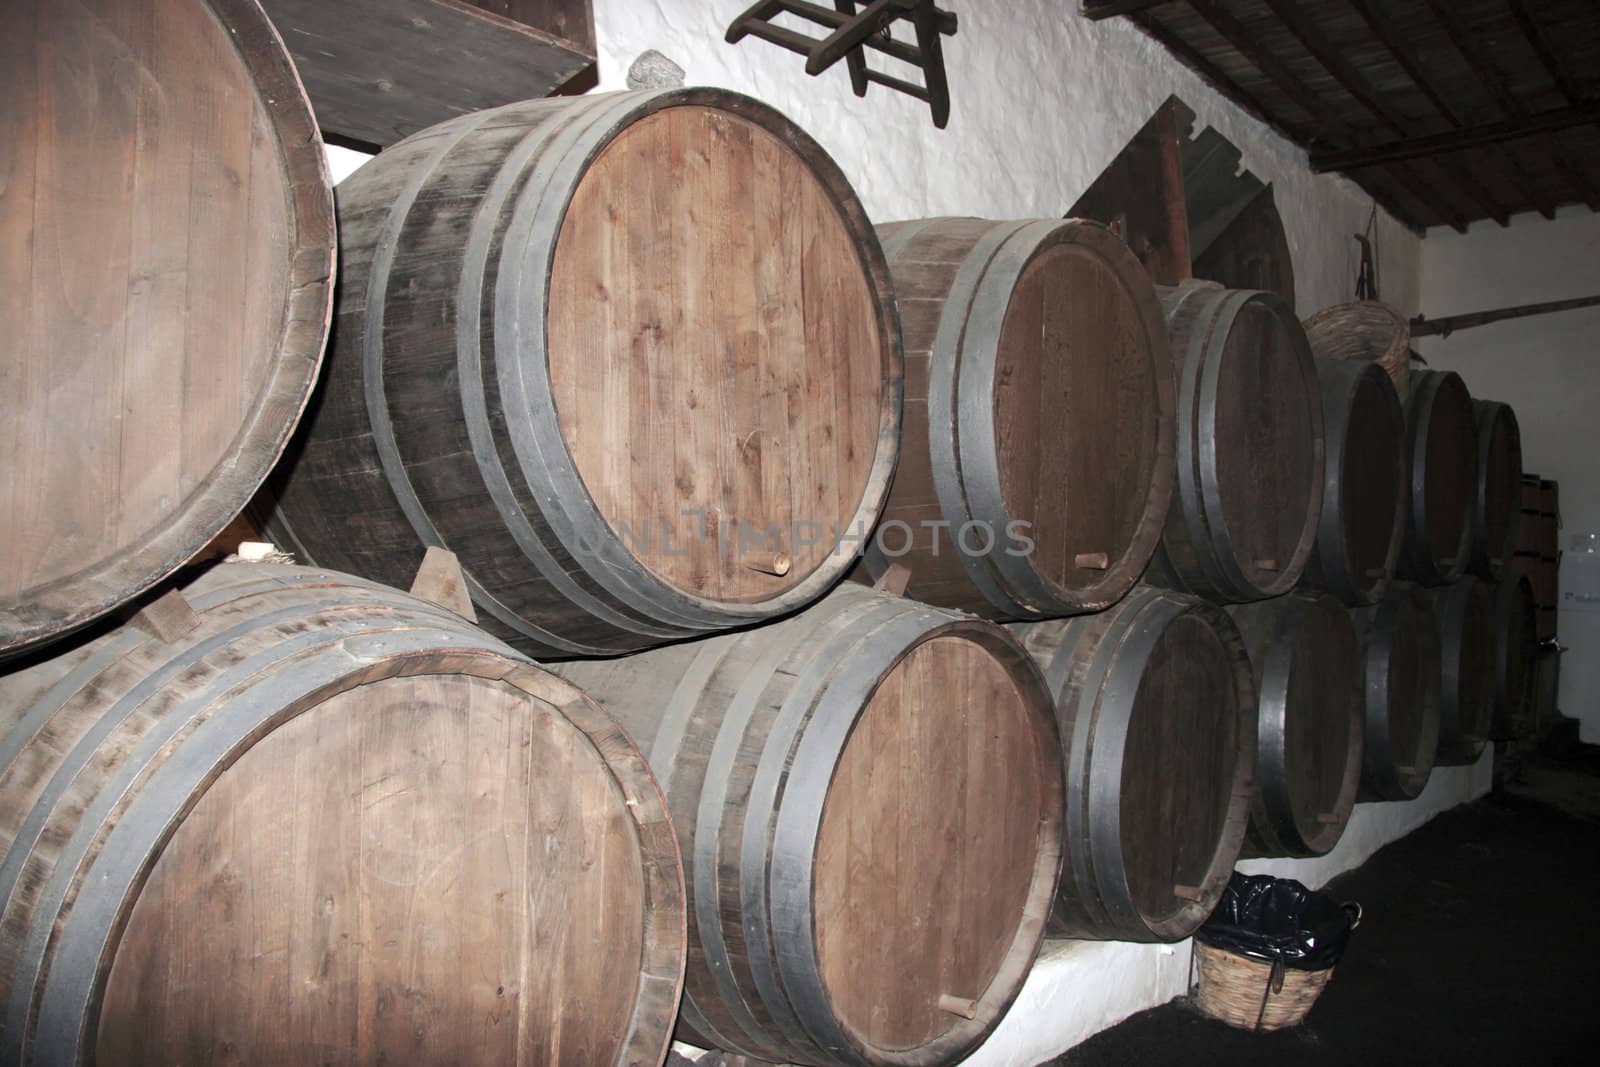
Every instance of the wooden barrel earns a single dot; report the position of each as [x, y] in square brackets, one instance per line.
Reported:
[166, 245]
[1250, 462]
[632, 357]
[868, 796]
[1037, 462]
[1157, 714]
[1442, 450]
[293, 817]
[1367, 331]
[1516, 641]
[1497, 506]
[1306, 659]
[1363, 485]
[1401, 667]
[1464, 613]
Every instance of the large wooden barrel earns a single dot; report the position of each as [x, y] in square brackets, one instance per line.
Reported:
[1037, 462]
[1442, 480]
[1464, 613]
[1250, 446]
[1497, 506]
[1363, 486]
[1516, 641]
[1402, 674]
[293, 817]
[166, 267]
[632, 357]
[868, 796]
[1306, 659]
[1157, 714]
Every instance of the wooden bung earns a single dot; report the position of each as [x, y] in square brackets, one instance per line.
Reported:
[1156, 708]
[1039, 409]
[869, 799]
[684, 354]
[167, 245]
[328, 821]
[1442, 478]
[1363, 486]
[1401, 677]
[1306, 659]
[1248, 493]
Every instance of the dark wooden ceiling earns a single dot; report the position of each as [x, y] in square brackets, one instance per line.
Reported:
[1446, 111]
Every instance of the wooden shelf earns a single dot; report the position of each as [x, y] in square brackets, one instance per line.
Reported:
[379, 70]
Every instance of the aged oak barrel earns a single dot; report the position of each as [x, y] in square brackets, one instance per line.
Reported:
[1157, 715]
[632, 357]
[1306, 659]
[868, 796]
[1442, 480]
[1516, 641]
[1363, 486]
[1039, 417]
[1248, 493]
[1402, 675]
[166, 253]
[1464, 613]
[1497, 507]
[293, 817]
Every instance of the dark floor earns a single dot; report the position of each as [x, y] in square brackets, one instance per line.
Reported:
[1481, 944]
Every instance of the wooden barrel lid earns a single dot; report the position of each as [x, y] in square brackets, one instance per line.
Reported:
[1442, 431]
[1516, 642]
[1400, 643]
[1496, 518]
[167, 241]
[1082, 395]
[723, 362]
[1372, 475]
[928, 848]
[1464, 611]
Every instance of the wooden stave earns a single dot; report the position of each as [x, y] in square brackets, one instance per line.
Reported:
[958, 418]
[1086, 906]
[1463, 611]
[1497, 424]
[1403, 611]
[60, 607]
[770, 1006]
[338, 632]
[1195, 556]
[613, 605]
[1516, 646]
[1267, 627]
[1417, 560]
[1329, 567]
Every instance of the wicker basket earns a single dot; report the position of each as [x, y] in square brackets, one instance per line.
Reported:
[1367, 330]
[1253, 994]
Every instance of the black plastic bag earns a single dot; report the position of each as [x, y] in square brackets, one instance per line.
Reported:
[1280, 921]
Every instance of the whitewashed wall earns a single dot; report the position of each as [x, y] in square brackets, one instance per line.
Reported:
[1548, 368]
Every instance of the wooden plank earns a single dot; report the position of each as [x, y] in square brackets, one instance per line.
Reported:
[1140, 194]
[569, 20]
[378, 70]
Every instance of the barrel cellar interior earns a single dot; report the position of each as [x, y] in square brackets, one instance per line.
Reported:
[883, 533]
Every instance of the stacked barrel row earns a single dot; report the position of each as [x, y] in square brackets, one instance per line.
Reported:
[632, 376]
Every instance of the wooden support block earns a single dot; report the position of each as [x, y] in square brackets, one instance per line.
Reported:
[439, 581]
[894, 580]
[168, 618]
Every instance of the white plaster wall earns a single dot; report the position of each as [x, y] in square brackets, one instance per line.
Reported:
[1548, 368]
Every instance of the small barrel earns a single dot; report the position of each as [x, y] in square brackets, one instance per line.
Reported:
[1464, 613]
[1248, 494]
[1039, 417]
[1402, 673]
[1306, 658]
[1363, 486]
[632, 357]
[868, 795]
[166, 250]
[1368, 331]
[1497, 507]
[1516, 641]
[1157, 713]
[289, 816]
[1442, 478]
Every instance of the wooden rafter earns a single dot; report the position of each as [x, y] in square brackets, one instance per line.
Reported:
[1488, 133]
[1110, 9]
[1579, 180]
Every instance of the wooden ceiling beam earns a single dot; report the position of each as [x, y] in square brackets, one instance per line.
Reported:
[1359, 90]
[1389, 37]
[1247, 46]
[1488, 133]
[1110, 9]
[1577, 176]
